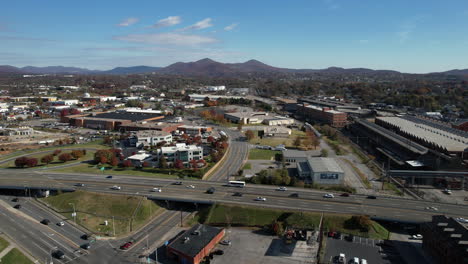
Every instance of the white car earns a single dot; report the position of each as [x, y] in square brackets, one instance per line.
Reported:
[328, 195]
[191, 186]
[115, 187]
[263, 199]
[156, 190]
[60, 223]
[461, 220]
[282, 188]
[447, 191]
[417, 236]
[432, 208]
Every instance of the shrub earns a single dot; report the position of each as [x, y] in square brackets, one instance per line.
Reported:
[31, 162]
[21, 162]
[56, 152]
[47, 159]
[65, 157]
[126, 164]
[76, 154]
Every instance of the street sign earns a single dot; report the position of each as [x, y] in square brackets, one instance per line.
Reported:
[73, 214]
[103, 168]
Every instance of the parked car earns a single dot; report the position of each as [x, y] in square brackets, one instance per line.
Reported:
[18, 206]
[447, 191]
[349, 238]
[238, 194]
[337, 235]
[156, 190]
[282, 188]
[259, 198]
[328, 195]
[45, 221]
[218, 252]
[225, 242]
[331, 234]
[115, 187]
[372, 197]
[126, 245]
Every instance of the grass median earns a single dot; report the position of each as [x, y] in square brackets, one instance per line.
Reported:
[3, 244]
[262, 154]
[124, 213]
[15, 257]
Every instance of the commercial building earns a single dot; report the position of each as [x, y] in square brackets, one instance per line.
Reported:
[194, 244]
[20, 131]
[246, 117]
[277, 121]
[139, 158]
[461, 124]
[182, 152]
[321, 171]
[202, 97]
[276, 131]
[157, 126]
[291, 155]
[325, 115]
[194, 130]
[446, 240]
[147, 138]
[215, 88]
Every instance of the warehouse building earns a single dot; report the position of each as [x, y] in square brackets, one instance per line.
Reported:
[321, 171]
[147, 138]
[110, 120]
[194, 244]
[325, 115]
[182, 152]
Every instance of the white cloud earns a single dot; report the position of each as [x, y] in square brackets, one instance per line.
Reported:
[404, 35]
[205, 23]
[231, 27]
[128, 22]
[168, 21]
[363, 41]
[168, 39]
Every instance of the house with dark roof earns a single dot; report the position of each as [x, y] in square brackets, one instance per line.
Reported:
[194, 244]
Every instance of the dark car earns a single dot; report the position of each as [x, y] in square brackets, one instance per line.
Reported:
[86, 246]
[337, 235]
[79, 185]
[15, 200]
[18, 206]
[237, 194]
[350, 238]
[85, 237]
[371, 197]
[45, 221]
[59, 254]
[345, 195]
[109, 177]
[295, 195]
[219, 252]
[177, 183]
[126, 246]
[211, 190]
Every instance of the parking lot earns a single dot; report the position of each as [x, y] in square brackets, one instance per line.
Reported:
[362, 248]
[253, 247]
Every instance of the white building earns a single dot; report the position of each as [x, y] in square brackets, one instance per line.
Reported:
[321, 171]
[181, 152]
[152, 137]
[215, 88]
[70, 87]
[138, 87]
[68, 102]
[139, 158]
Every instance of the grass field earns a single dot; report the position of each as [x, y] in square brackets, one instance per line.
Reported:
[93, 169]
[98, 144]
[3, 244]
[15, 257]
[129, 212]
[262, 154]
[220, 214]
[247, 166]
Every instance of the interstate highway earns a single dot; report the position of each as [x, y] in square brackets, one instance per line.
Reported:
[309, 200]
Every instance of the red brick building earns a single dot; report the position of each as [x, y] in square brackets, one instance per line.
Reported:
[325, 115]
[461, 124]
[196, 243]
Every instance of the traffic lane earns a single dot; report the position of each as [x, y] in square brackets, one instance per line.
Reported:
[37, 238]
[30, 207]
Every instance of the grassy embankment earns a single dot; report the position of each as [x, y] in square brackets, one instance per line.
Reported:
[15, 257]
[220, 214]
[3, 244]
[262, 154]
[129, 212]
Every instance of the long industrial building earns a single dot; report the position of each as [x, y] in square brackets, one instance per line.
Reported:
[325, 115]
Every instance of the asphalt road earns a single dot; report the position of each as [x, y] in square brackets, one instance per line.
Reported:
[236, 155]
[308, 200]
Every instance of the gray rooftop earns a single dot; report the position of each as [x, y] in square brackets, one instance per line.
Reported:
[195, 242]
[324, 165]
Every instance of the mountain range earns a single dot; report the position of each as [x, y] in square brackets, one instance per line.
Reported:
[204, 67]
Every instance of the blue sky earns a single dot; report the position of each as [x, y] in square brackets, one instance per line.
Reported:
[405, 35]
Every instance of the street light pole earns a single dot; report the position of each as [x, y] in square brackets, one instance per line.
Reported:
[113, 225]
[74, 212]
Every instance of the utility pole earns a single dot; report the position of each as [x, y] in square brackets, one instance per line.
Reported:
[74, 212]
[180, 218]
[113, 225]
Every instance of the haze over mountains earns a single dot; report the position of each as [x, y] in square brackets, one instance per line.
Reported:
[204, 67]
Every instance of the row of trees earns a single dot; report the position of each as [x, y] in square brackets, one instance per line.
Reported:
[22, 162]
[272, 177]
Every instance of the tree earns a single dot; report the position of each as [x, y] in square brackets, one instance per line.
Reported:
[103, 159]
[64, 157]
[178, 164]
[163, 162]
[126, 163]
[114, 161]
[315, 142]
[324, 153]
[108, 154]
[47, 159]
[239, 126]
[297, 142]
[31, 162]
[56, 152]
[134, 103]
[21, 162]
[76, 154]
[210, 139]
[249, 134]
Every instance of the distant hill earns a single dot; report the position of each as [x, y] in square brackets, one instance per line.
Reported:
[131, 70]
[209, 67]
